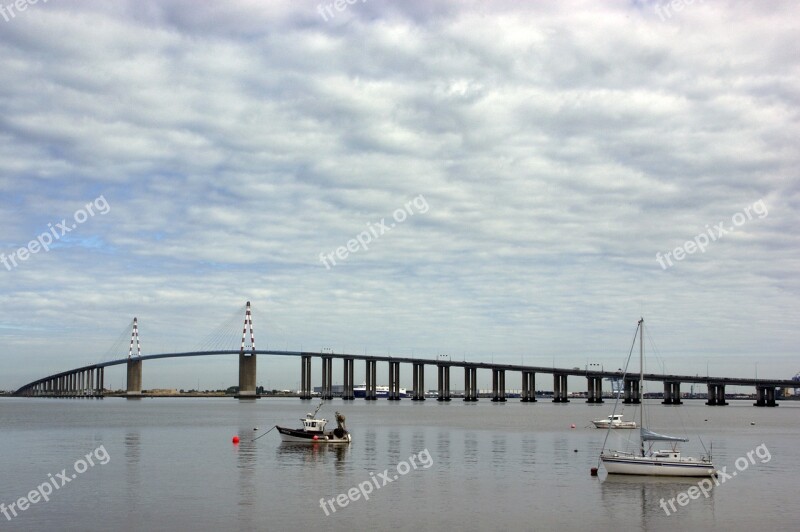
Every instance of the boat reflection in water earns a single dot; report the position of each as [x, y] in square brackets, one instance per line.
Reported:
[291, 453]
[635, 499]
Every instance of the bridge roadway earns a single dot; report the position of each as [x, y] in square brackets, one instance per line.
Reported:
[88, 380]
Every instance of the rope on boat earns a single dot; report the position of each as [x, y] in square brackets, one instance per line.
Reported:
[270, 430]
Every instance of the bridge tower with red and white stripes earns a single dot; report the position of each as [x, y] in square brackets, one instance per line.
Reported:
[247, 359]
[134, 388]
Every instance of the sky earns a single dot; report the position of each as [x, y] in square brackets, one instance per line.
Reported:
[503, 181]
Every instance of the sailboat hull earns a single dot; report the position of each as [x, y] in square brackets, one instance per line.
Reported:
[618, 464]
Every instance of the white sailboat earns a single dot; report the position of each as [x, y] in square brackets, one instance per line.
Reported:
[665, 463]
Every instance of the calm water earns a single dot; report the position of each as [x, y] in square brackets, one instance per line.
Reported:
[171, 466]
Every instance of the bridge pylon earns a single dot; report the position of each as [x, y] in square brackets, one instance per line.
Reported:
[247, 360]
[134, 388]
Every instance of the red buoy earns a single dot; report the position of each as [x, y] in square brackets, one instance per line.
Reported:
[572, 426]
[235, 439]
[594, 471]
[316, 437]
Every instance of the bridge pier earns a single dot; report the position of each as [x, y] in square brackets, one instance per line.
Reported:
[672, 393]
[632, 392]
[498, 385]
[371, 394]
[100, 383]
[247, 376]
[347, 387]
[444, 383]
[418, 381]
[470, 384]
[765, 396]
[134, 388]
[595, 390]
[327, 379]
[305, 377]
[716, 394]
[394, 381]
[528, 387]
[560, 388]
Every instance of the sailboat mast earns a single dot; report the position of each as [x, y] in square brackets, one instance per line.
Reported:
[641, 380]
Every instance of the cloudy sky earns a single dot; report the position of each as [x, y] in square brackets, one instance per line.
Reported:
[519, 168]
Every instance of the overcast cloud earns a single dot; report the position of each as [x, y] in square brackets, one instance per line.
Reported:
[559, 147]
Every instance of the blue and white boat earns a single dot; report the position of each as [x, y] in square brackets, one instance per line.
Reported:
[380, 391]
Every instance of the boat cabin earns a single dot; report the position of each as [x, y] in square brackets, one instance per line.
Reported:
[313, 425]
[667, 454]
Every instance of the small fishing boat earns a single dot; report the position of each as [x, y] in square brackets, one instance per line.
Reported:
[658, 462]
[313, 430]
[614, 421]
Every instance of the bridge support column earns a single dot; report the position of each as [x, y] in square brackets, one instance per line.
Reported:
[672, 393]
[444, 383]
[716, 394]
[305, 377]
[765, 396]
[370, 394]
[327, 379]
[560, 388]
[595, 389]
[394, 381]
[247, 376]
[134, 388]
[347, 388]
[419, 381]
[100, 382]
[498, 385]
[470, 384]
[632, 393]
[528, 387]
